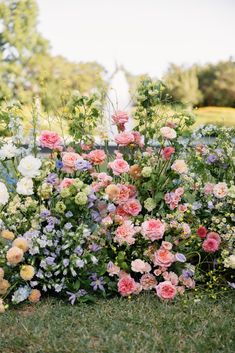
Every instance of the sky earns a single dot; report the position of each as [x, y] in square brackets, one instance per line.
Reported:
[143, 35]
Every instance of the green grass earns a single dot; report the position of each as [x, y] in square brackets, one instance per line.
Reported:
[140, 325]
[215, 115]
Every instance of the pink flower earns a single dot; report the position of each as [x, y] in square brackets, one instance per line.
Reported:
[167, 152]
[140, 266]
[210, 245]
[119, 166]
[179, 166]
[208, 188]
[126, 286]
[172, 277]
[124, 138]
[202, 232]
[220, 190]
[125, 233]
[66, 182]
[214, 235]
[69, 160]
[163, 257]
[121, 213]
[112, 269]
[50, 140]
[97, 157]
[133, 207]
[137, 138]
[168, 133]
[179, 191]
[120, 119]
[148, 281]
[166, 245]
[123, 195]
[153, 229]
[166, 290]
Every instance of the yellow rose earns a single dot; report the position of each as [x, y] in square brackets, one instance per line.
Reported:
[7, 234]
[34, 296]
[27, 272]
[4, 285]
[14, 255]
[21, 243]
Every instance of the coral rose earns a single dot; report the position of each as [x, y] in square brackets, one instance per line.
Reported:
[126, 286]
[166, 290]
[97, 157]
[34, 296]
[153, 229]
[163, 257]
[202, 232]
[14, 255]
[167, 152]
[125, 233]
[50, 140]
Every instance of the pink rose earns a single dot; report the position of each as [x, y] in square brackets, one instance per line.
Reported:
[97, 157]
[210, 245]
[66, 182]
[179, 166]
[166, 290]
[50, 140]
[123, 195]
[112, 269]
[202, 232]
[168, 133]
[133, 207]
[167, 152]
[126, 286]
[137, 138]
[120, 118]
[153, 229]
[208, 188]
[124, 138]
[119, 166]
[148, 281]
[140, 266]
[166, 245]
[172, 277]
[163, 257]
[220, 190]
[125, 233]
[69, 160]
[214, 235]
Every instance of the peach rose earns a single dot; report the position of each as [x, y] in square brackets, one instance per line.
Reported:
[124, 194]
[21, 243]
[1, 273]
[220, 190]
[135, 171]
[148, 281]
[166, 290]
[179, 166]
[112, 191]
[66, 182]
[69, 160]
[124, 138]
[163, 257]
[4, 286]
[97, 157]
[7, 234]
[125, 233]
[50, 140]
[126, 286]
[168, 133]
[153, 229]
[140, 266]
[14, 255]
[132, 207]
[34, 296]
[119, 166]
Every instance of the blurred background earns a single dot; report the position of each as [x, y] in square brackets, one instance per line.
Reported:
[50, 48]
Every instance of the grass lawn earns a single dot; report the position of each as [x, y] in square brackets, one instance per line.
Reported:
[140, 325]
[215, 115]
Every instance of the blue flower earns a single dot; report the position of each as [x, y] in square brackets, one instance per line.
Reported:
[59, 164]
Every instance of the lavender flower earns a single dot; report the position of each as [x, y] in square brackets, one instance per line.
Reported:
[74, 296]
[212, 158]
[68, 226]
[82, 165]
[51, 178]
[78, 250]
[59, 164]
[97, 283]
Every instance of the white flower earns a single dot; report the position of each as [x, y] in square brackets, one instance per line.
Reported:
[8, 151]
[29, 166]
[25, 186]
[168, 132]
[230, 262]
[4, 196]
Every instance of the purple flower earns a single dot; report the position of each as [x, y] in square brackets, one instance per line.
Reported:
[111, 208]
[51, 178]
[210, 205]
[187, 273]
[80, 263]
[66, 262]
[74, 296]
[95, 247]
[50, 260]
[49, 228]
[95, 216]
[45, 214]
[78, 250]
[212, 158]
[97, 283]
[82, 165]
[180, 257]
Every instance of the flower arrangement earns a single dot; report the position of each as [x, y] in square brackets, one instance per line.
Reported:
[82, 222]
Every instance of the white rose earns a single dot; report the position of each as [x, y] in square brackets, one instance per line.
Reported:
[4, 196]
[25, 186]
[168, 132]
[230, 261]
[8, 151]
[29, 166]
[140, 266]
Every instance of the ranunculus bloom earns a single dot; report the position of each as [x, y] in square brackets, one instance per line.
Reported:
[202, 232]
[140, 266]
[97, 157]
[34, 296]
[135, 171]
[210, 245]
[163, 257]
[220, 190]
[50, 140]
[119, 166]
[167, 152]
[125, 233]
[124, 138]
[166, 290]
[137, 138]
[66, 182]
[126, 286]
[14, 255]
[132, 207]
[69, 160]
[168, 133]
[214, 235]
[179, 166]
[153, 229]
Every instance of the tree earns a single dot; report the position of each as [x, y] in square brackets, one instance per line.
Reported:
[183, 84]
